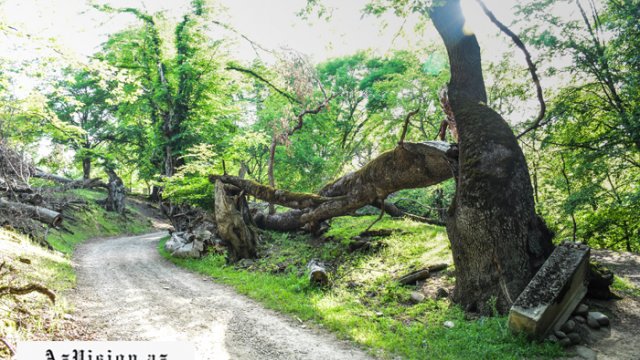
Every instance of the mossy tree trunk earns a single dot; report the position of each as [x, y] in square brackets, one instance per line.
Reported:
[498, 241]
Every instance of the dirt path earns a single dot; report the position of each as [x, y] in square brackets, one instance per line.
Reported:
[127, 291]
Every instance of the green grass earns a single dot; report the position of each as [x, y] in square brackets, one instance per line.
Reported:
[364, 303]
[96, 222]
[623, 285]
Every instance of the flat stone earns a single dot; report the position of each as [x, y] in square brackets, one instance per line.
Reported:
[582, 310]
[601, 318]
[416, 297]
[585, 353]
[569, 326]
[574, 337]
[579, 319]
[560, 334]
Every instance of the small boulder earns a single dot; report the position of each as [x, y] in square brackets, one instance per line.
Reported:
[568, 327]
[449, 324]
[593, 323]
[416, 297]
[574, 337]
[553, 338]
[581, 310]
[565, 342]
[560, 334]
[585, 353]
[579, 319]
[441, 293]
[601, 318]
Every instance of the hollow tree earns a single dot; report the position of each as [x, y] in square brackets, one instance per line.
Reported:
[497, 240]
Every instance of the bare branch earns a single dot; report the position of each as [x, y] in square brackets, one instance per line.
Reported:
[259, 77]
[406, 125]
[9, 290]
[532, 67]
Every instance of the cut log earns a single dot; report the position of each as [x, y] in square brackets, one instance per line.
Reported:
[41, 214]
[317, 273]
[553, 293]
[413, 277]
[31, 198]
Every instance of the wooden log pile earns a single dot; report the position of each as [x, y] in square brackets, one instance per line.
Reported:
[23, 207]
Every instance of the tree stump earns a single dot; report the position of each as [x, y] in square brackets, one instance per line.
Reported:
[234, 227]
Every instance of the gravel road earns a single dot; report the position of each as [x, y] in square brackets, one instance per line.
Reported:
[127, 291]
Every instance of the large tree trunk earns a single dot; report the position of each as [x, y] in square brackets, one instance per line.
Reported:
[498, 241]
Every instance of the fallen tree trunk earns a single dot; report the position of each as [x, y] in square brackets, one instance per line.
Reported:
[410, 165]
[44, 215]
[70, 183]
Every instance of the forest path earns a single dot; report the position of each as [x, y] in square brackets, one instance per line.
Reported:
[127, 291]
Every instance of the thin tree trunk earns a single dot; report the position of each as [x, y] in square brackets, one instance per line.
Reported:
[568, 184]
[86, 168]
[497, 240]
[272, 159]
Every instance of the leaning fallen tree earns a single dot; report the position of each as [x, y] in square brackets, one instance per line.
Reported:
[408, 166]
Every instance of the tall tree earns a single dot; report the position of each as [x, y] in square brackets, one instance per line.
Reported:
[497, 240]
[184, 93]
[80, 100]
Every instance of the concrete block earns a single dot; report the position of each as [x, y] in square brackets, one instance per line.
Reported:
[553, 293]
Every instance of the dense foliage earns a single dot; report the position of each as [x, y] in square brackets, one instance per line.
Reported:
[163, 101]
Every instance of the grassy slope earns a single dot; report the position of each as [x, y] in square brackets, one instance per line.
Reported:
[364, 304]
[53, 269]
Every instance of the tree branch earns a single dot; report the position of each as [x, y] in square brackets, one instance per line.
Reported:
[259, 77]
[530, 64]
[9, 290]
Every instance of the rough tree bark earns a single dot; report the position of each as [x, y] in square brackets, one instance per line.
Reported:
[497, 240]
[234, 224]
[116, 197]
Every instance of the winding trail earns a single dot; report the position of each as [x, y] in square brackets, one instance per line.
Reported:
[127, 291]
